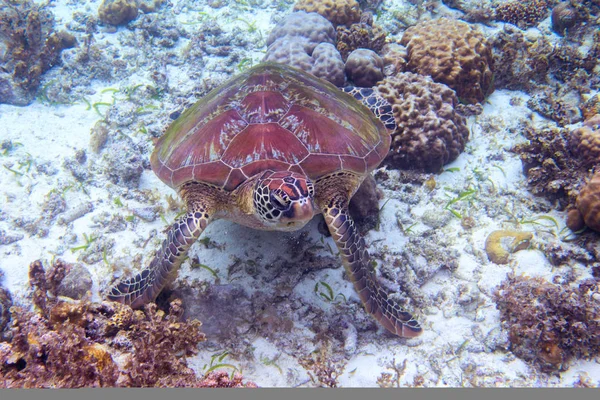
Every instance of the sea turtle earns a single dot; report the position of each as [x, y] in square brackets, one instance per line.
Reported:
[269, 149]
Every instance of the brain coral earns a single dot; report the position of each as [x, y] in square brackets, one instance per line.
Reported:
[338, 12]
[453, 53]
[429, 132]
[311, 26]
[585, 142]
[306, 41]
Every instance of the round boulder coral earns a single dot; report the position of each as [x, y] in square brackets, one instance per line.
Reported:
[118, 12]
[364, 67]
[429, 133]
[585, 142]
[338, 12]
[311, 26]
[306, 41]
[588, 203]
[453, 53]
[523, 13]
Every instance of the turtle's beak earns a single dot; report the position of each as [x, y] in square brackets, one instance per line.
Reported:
[300, 212]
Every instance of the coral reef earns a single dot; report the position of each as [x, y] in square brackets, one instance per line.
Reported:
[499, 245]
[532, 62]
[561, 109]
[338, 12]
[364, 67]
[549, 324]
[551, 170]
[524, 14]
[118, 12]
[453, 53]
[429, 132]
[28, 48]
[84, 344]
[359, 36]
[588, 206]
[307, 41]
[585, 142]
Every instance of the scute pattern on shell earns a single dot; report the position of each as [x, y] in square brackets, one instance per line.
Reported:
[270, 117]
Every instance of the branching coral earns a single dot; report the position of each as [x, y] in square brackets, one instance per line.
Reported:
[82, 344]
[522, 13]
[522, 62]
[28, 48]
[549, 324]
[552, 170]
[361, 36]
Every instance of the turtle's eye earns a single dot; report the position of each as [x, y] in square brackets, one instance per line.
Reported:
[280, 200]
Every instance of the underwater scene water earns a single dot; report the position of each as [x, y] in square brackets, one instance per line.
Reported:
[336, 193]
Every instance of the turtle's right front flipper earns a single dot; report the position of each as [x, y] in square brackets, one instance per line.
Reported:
[145, 286]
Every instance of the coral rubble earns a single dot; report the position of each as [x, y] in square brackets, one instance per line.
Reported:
[29, 47]
[359, 36]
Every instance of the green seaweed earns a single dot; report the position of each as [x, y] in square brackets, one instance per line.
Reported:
[88, 241]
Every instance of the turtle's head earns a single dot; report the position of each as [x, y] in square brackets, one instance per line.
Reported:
[284, 200]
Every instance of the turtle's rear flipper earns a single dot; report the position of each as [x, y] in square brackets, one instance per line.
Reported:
[356, 260]
[145, 286]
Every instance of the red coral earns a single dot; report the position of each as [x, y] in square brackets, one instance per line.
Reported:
[84, 344]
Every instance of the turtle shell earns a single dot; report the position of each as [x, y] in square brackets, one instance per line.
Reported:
[274, 117]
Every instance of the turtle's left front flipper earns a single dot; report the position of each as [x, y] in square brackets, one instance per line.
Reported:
[145, 286]
[356, 260]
